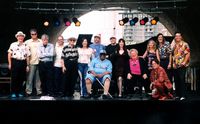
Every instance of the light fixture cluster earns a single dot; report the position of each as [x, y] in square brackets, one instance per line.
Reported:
[67, 22]
[134, 20]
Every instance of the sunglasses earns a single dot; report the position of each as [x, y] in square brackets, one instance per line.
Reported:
[34, 34]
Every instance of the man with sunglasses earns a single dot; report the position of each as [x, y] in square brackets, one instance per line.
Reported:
[33, 73]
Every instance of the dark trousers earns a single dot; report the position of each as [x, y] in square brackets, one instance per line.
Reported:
[58, 80]
[179, 79]
[70, 77]
[18, 75]
[46, 77]
[164, 63]
[136, 81]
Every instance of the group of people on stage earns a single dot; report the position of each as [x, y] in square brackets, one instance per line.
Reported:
[55, 69]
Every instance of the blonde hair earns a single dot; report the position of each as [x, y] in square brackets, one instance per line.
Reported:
[154, 44]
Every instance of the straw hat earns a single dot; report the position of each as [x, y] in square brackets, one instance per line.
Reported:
[20, 33]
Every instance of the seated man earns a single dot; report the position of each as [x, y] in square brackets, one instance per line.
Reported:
[160, 83]
[100, 68]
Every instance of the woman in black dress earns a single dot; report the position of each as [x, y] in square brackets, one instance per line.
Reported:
[120, 58]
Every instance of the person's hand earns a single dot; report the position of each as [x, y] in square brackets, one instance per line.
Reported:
[183, 64]
[64, 69]
[151, 85]
[144, 76]
[9, 66]
[27, 68]
[129, 76]
[99, 75]
[169, 66]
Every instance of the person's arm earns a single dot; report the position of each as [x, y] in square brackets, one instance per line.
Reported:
[170, 61]
[187, 55]
[9, 57]
[51, 51]
[157, 55]
[186, 59]
[9, 60]
[145, 54]
[109, 68]
[63, 65]
[40, 53]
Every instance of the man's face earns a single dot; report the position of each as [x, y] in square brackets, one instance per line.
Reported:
[60, 41]
[102, 56]
[33, 34]
[178, 37]
[97, 40]
[20, 38]
[113, 41]
[45, 41]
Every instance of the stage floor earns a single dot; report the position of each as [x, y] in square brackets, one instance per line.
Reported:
[123, 111]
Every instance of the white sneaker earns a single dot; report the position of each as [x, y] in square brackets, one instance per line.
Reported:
[182, 98]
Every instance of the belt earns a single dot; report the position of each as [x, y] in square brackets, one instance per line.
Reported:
[19, 59]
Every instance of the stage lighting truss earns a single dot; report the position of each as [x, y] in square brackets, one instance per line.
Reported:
[68, 7]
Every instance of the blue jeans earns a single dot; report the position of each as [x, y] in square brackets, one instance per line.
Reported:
[82, 73]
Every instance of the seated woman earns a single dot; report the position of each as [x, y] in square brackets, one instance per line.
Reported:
[160, 83]
[136, 72]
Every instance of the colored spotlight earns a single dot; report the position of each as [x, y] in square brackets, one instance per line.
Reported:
[154, 21]
[144, 21]
[123, 21]
[133, 21]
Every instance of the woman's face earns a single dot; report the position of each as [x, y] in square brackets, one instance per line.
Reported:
[134, 55]
[160, 39]
[151, 44]
[121, 44]
[85, 43]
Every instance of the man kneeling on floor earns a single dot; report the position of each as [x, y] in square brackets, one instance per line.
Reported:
[100, 69]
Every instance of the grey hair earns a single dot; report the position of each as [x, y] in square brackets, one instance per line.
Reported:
[45, 36]
[134, 51]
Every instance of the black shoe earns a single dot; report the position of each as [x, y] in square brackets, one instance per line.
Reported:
[104, 96]
[89, 96]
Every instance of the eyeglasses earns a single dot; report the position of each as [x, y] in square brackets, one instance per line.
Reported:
[34, 34]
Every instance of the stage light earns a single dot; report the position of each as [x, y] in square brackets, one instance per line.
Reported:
[133, 21]
[123, 21]
[144, 21]
[46, 23]
[67, 22]
[76, 21]
[154, 21]
[56, 22]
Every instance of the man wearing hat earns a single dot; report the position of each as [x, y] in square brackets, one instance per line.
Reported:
[69, 67]
[18, 61]
[100, 68]
[97, 46]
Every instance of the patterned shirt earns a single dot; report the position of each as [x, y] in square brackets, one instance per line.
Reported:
[180, 51]
[46, 53]
[19, 52]
[164, 50]
[70, 53]
[159, 77]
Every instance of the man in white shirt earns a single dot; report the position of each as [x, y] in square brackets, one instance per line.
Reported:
[33, 44]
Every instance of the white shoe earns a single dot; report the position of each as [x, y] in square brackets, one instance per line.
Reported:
[182, 98]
